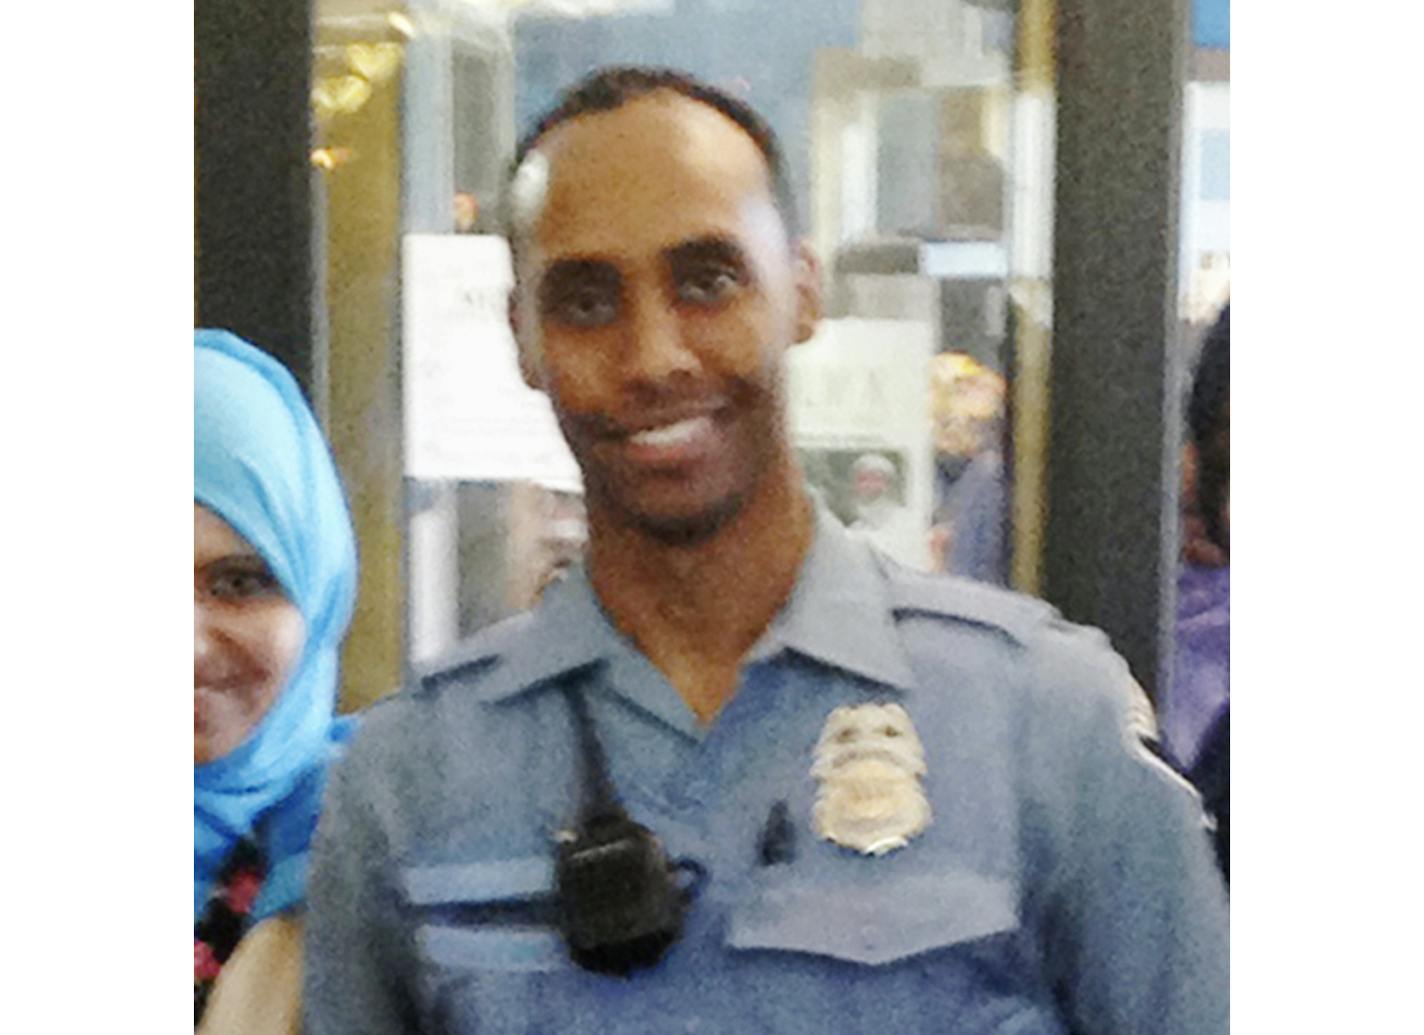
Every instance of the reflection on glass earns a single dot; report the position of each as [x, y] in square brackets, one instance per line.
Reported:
[967, 402]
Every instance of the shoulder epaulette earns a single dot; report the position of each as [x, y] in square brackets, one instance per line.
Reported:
[1014, 614]
[481, 650]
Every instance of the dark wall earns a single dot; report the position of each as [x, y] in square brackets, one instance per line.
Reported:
[252, 138]
[1110, 543]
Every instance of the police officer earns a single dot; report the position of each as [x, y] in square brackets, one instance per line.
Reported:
[814, 791]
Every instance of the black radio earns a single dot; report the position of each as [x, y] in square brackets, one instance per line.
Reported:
[620, 899]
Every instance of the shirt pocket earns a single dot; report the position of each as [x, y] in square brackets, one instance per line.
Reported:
[486, 940]
[875, 923]
[493, 915]
[906, 952]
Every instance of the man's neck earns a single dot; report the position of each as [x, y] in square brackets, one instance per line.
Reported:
[694, 610]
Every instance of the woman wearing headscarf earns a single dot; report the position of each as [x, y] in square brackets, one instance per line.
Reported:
[274, 570]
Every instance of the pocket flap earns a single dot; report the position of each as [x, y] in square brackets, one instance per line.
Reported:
[499, 880]
[878, 923]
[531, 950]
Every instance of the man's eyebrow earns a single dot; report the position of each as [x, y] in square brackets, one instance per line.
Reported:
[703, 249]
[566, 270]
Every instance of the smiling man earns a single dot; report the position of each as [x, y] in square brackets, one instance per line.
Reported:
[739, 772]
[658, 290]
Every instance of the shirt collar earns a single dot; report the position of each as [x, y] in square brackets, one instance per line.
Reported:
[840, 611]
[839, 614]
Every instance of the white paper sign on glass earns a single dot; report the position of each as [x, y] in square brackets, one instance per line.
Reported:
[468, 413]
[860, 418]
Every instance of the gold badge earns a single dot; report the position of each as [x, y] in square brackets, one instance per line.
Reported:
[868, 763]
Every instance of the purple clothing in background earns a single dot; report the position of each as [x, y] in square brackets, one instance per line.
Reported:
[1201, 679]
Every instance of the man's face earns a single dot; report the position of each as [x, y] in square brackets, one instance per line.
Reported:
[870, 486]
[657, 293]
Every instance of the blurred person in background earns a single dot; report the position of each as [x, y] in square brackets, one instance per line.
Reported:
[967, 403]
[274, 582]
[1196, 723]
[880, 514]
[467, 212]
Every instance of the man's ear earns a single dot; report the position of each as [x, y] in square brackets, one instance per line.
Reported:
[809, 299]
[529, 367]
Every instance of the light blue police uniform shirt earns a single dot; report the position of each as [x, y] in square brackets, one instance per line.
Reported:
[1065, 883]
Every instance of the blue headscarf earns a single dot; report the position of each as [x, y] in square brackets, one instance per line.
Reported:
[261, 464]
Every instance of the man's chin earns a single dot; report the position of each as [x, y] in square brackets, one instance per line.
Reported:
[688, 527]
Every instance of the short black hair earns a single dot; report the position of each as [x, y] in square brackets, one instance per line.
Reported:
[1209, 423]
[608, 89]
[1207, 409]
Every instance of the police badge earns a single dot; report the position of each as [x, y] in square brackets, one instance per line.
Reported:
[868, 764]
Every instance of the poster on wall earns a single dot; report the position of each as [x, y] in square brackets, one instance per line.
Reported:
[860, 419]
[468, 413]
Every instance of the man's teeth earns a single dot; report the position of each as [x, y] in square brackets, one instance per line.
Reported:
[671, 434]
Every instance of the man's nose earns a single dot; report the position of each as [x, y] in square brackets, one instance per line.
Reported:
[656, 350]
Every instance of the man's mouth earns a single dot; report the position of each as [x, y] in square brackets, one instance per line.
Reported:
[669, 436]
[670, 445]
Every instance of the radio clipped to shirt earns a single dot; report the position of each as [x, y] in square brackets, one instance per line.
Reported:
[621, 901]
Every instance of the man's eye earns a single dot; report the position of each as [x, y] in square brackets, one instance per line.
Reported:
[707, 285]
[585, 307]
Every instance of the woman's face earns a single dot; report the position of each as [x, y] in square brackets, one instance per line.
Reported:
[247, 637]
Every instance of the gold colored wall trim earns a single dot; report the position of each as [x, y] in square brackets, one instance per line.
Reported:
[1033, 335]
